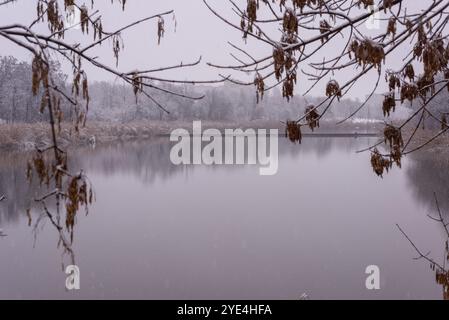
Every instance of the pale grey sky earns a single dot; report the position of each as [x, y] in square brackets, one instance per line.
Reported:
[198, 33]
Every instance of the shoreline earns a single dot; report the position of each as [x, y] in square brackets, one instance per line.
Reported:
[26, 137]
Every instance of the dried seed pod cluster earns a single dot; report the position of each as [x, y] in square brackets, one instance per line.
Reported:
[251, 15]
[98, 30]
[137, 82]
[365, 3]
[426, 85]
[160, 29]
[301, 4]
[333, 89]
[393, 137]
[40, 72]
[409, 72]
[389, 104]
[54, 18]
[442, 278]
[69, 4]
[324, 28]
[387, 4]
[391, 28]
[283, 58]
[312, 117]
[117, 46]
[84, 18]
[367, 52]
[279, 61]
[409, 91]
[290, 21]
[379, 163]
[293, 132]
[288, 86]
[434, 56]
[260, 86]
[394, 82]
[79, 194]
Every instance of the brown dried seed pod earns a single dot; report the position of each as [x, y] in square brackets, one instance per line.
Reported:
[368, 52]
[260, 87]
[312, 117]
[426, 85]
[434, 57]
[300, 4]
[379, 163]
[68, 4]
[389, 104]
[396, 155]
[160, 29]
[251, 10]
[409, 72]
[279, 61]
[324, 28]
[39, 73]
[391, 28]
[393, 136]
[409, 25]
[333, 89]
[288, 86]
[137, 83]
[293, 132]
[76, 84]
[394, 82]
[365, 3]
[388, 4]
[84, 19]
[290, 21]
[409, 92]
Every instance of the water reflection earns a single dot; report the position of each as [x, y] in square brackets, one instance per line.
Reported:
[429, 180]
[428, 173]
[193, 232]
[148, 161]
[440, 269]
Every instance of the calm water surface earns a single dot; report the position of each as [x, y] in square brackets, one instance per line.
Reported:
[158, 231]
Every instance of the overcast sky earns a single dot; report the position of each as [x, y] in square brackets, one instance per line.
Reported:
[198, 33]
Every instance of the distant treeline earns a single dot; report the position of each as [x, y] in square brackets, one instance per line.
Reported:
[115, 101]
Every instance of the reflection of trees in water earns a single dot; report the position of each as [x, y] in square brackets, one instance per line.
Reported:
[428, 174]
[14, 185]
[146, 160]
[429, 179]
[440, 269]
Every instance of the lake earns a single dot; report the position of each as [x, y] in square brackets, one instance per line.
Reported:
[160, 231]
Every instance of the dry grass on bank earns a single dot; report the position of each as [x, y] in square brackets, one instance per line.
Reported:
[23, 137]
